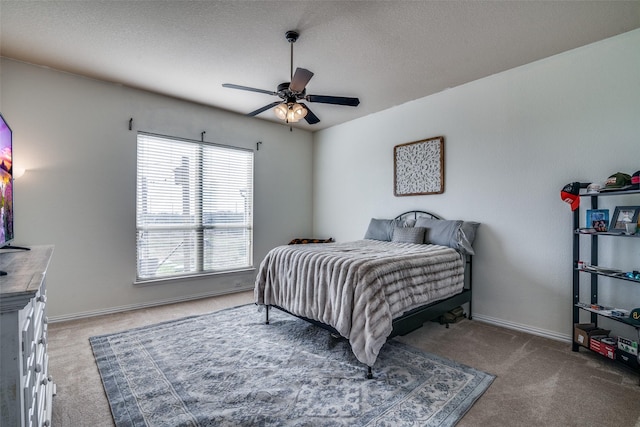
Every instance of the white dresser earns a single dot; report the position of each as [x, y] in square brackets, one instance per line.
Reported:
[26, 388]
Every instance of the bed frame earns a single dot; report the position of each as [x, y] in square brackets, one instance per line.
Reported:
[415, 318]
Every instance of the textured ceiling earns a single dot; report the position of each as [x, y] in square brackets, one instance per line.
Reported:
[384, 52]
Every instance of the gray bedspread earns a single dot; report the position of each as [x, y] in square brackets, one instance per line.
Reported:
[358, 287]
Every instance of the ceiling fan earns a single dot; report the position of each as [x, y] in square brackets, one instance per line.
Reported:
[288, 108]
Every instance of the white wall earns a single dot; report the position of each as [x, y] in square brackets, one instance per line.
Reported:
[512, 141]
[79, 190]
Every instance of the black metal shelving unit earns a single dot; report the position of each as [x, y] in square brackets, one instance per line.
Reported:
[577, 307]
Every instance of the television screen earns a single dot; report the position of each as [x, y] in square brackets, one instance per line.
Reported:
[6, 183]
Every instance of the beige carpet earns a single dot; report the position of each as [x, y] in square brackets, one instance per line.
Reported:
[539, 381]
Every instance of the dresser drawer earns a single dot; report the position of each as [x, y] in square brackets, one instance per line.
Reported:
[38, 315]
[29, 396]
[28, 346]
[40, 301]
[41, 415]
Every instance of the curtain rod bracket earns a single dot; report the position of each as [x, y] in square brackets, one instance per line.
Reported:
[202, 136]
[258, 145]
[131, 123]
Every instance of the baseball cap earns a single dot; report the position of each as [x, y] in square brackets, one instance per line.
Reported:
[635, 181]
[594, 188]
[571, 194]
[617, 181]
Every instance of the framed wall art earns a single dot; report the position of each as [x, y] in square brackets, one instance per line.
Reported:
[418, 167]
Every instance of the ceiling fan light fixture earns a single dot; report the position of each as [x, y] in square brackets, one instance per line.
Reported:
[291, 112]
[298, 111]
[281, 111]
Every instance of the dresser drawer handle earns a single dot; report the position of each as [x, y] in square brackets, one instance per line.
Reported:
[45, 381]
[43, 340]
[42, 298]
[38, 368]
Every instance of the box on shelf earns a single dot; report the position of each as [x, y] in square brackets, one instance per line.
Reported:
[628, 345]
[603, 345]
[631, 360]
[584, 331]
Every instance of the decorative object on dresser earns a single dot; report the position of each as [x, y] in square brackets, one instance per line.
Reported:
[26, 388]
[418, 167]
[368, 291]
[227, 368]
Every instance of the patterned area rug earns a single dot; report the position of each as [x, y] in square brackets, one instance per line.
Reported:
[228, 368]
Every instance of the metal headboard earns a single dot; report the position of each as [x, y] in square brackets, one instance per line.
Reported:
[416, 215]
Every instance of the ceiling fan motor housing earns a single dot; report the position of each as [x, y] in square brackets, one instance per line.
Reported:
[285, 93]
[292, 36]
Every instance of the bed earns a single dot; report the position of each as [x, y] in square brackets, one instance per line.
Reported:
[370, 290]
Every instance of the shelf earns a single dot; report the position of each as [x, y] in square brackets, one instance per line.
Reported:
[607, 233]
[614, 276]
[624, 320]
[590, 257]
[611, 193]
[615, 362]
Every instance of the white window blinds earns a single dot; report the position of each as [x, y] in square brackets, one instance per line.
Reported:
[194, 208]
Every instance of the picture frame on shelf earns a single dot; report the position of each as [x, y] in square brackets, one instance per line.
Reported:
[598, 219]
[623, 215]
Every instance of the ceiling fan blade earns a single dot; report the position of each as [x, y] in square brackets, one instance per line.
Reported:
[337, 100]
[311, 118]
[250, 89]
[300, 79]
[265, 108]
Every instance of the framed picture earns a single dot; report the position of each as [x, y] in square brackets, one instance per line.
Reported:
[624, 215]
[598, 219]
[418, 167]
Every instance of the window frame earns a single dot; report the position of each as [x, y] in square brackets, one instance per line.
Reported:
[200, 227]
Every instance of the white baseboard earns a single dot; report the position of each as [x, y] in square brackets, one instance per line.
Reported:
[122, 308]
[479, 317]
[523, 328]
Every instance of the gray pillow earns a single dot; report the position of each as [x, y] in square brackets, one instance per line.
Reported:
[440, 231]
[453, 233]
[467, 235]
[408, 234]
[380, 229]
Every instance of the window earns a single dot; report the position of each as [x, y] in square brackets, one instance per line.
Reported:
[194, 208]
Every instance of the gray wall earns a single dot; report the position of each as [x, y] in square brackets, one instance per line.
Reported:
[78, 193]
[512, 141]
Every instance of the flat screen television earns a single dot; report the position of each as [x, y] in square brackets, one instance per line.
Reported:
[6, 183]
